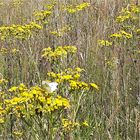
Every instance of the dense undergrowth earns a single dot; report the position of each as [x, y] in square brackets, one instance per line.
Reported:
[69, 70]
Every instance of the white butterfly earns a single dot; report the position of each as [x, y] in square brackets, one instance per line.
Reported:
[52, 85]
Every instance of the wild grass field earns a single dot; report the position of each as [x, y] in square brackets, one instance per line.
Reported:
[69, 70]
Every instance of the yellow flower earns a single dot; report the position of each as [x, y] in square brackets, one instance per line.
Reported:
[2, 111]
[4, 50]
[51, 74]
[22, 87]
[77, 8]
[93, 85]
[104, 43]
[134, 9]
[3, 81]
[67, 77]
[59, 52]
[69, 125]
[116, 35]
[18, 134]
[42, 99]
[26, 95]
[42, 15]
[73, 84]
[82, 6]
[79, 69]
[71, 10]
[76, 76]
[85, 123]
[58, 102]
[19, 107]
[15, 100]
[125, 34]
[49, 101]
[14, 51]
[66, 103]
[13, 89]
[1, 120]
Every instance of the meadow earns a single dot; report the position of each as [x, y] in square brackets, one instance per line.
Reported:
[69, 70]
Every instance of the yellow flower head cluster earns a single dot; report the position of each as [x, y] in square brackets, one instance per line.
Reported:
[50, 6]
[135, 8]
[59, 52]
[78, 85]
[85, 123]
[66, 75]
[2, 114]
[60, 32]
[42, 15]
[18, 31]
[27, 102]
[19, 88]
[104, 43]
[3, 81]
[93, 85]
[77, 8]
[128, 20]
[56, 103]
[13, 51]
[69, 125]
[72, 78]
[18, 134]
[138, 31]
[121, 34]
[17, 3]
[3, 50]
[128, 13]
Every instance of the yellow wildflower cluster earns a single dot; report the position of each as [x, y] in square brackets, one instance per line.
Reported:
[17, 3]
[18, 31]
[85, 123]
[32, 101]
[69, 125]
[121, 34]
[66, 75]
[42, 15]
[61, 31]
[3, 81]
[71, 77]
[9, 50]
[19, 88]
[128, 21]
[18, 134]
[82, 6]
[1, 120]
[78, 85]
[14, 51]
[51, 5]
[138, 31]
[59, 52]
[104, 43]
[128, 13]
[2, 114]
[93, 85]
[3, 50]
[135, 8]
